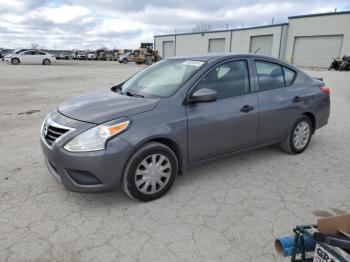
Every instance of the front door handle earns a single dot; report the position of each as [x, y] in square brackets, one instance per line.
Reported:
[247, 108]
[297, 99]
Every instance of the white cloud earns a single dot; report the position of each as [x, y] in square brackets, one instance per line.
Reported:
[12, 18]
[115, 25]
[124, 23]
[10, 4]
[62, 14]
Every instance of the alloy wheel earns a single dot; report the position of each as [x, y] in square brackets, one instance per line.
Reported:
[301, 135]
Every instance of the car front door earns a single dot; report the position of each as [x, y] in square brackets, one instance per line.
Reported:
[228, 124]
[280, 100]
[26, 57]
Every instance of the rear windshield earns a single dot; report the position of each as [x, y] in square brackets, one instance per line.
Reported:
[162, 79]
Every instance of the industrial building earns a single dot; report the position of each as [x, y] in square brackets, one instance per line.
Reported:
[306, 40]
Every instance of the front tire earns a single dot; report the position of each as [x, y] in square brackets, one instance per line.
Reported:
[15, 61]
[299, 137]
[150, 172]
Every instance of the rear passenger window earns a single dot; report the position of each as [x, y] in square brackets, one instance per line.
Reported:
[288, 76]
[270, 75]
[29, 53]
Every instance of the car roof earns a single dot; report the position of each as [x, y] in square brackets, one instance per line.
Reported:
[216, 57]
[27, 50]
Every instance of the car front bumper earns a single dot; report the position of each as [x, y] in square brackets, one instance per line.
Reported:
[86, 171]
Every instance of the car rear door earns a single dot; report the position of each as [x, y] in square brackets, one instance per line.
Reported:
[39, 57]
[228, 124]
[280, 100]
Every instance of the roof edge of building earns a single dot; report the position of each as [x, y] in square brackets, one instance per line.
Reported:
[224, 30]
[320, 14]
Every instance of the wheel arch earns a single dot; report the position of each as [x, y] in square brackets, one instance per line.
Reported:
[13, 58]
[46, 59]
[174, 147]
[312, 118]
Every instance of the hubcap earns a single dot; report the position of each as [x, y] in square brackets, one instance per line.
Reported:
[153, 173]
[301, 135]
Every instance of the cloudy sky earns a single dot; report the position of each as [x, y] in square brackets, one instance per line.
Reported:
[91, 24]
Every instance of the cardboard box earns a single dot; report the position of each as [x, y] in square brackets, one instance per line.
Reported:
[332, 225]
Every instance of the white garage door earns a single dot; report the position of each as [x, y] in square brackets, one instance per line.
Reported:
[261, 44]
[217, 45]
[168, 49]
[316, 51]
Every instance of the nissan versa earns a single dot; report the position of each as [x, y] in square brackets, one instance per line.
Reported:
[178, 113]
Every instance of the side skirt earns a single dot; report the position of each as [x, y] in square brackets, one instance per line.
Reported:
[197, 163]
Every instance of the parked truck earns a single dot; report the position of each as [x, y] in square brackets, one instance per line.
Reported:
[101, 54]
[78, 55]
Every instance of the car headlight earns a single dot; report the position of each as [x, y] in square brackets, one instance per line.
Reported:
[96, 138]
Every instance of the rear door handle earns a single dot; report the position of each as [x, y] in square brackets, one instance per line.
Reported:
[247, 108]
[297, 99]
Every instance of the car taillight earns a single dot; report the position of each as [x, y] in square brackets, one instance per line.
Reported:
[325, 90]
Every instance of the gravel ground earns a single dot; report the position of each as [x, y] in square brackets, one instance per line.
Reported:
[228, 210]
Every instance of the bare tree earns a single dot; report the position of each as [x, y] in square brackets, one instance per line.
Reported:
[34, 46]
[202, 28]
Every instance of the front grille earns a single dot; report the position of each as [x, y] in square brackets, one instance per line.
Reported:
[53, 133]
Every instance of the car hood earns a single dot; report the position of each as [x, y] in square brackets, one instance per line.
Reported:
[103, 106]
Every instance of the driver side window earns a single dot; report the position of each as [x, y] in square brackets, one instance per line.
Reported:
[229, 79]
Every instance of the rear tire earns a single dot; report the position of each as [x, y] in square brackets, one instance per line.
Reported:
[46, 61]
[150, 172]
[299, 137]
[15, 61]
[125, 61]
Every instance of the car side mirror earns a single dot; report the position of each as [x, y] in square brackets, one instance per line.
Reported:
[203, 95]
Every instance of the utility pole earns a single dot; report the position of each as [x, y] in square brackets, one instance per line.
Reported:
[273, 19]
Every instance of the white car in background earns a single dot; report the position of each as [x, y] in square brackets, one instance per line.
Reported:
[90, 56]
[126, 57]
[30, 57]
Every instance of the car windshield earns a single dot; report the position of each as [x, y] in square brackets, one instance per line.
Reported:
[161, 79]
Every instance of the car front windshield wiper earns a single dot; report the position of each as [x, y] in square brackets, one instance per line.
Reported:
[134, 94]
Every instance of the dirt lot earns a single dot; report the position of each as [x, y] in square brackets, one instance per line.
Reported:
[229, 210]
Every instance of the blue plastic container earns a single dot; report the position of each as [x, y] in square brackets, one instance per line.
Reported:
[284, 245]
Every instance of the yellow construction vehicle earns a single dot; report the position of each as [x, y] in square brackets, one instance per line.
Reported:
[101, 54]
[145, 54]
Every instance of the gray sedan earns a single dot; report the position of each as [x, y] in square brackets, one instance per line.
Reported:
[178, 113]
